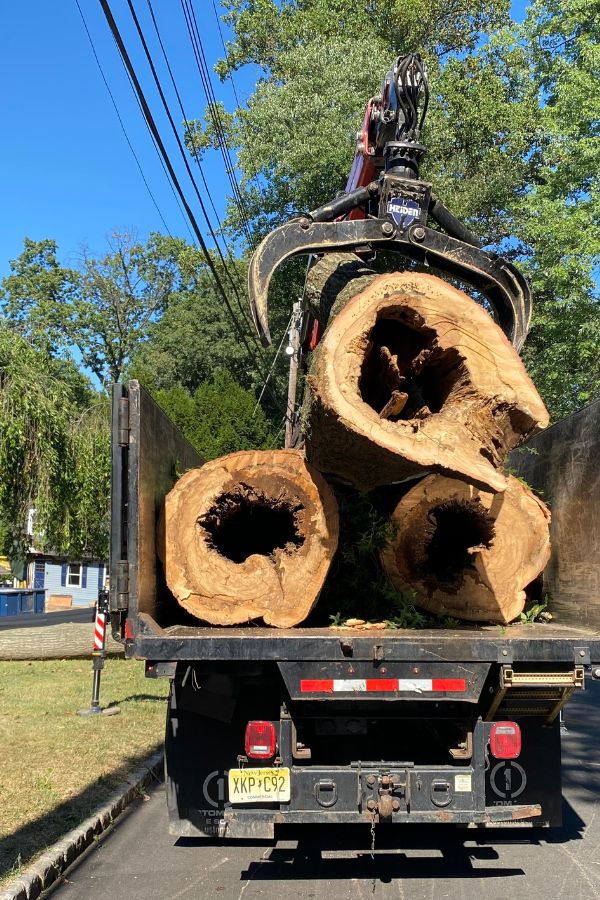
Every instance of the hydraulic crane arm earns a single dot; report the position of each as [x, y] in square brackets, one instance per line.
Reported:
[387, 206]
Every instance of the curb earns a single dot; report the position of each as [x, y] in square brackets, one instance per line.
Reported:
[41, 874]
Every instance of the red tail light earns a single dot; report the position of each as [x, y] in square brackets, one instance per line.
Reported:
[261, 740]
[505, 740]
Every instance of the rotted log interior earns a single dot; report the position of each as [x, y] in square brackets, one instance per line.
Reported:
[468, 553]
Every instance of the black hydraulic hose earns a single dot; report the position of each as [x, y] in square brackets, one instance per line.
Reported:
[344, 204]
[451, 224]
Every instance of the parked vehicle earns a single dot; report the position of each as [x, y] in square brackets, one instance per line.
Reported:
[321, 725]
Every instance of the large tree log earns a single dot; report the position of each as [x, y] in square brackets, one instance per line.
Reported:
[413, 376]
[466, 552]
[251, 534]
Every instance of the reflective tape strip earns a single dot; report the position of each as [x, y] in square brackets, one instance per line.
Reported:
[99, 631]
[382, 685]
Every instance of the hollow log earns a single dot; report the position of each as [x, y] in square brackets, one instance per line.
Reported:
[412, 376]
[468, 553]
[332, 280]
[249, 535]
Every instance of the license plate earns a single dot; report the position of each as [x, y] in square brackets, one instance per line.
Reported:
[259, 785]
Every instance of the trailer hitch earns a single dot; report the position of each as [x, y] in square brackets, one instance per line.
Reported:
[388, 789]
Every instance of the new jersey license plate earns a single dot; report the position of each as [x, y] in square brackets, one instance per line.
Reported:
[259, 785]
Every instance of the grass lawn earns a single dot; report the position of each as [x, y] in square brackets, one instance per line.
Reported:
[55, 766]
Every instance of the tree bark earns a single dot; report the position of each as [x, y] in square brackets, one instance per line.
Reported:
[470, 400]
[468, 553]
[248, 535]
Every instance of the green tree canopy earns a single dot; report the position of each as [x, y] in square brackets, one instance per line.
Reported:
[54, 453]
[102, 309]
[219, 417]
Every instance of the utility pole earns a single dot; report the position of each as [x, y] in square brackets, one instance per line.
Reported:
[293, 351]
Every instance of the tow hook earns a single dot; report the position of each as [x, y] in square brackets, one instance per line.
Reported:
[387, 804]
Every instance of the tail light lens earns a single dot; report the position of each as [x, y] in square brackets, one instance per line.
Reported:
[261, 740]
[505, 740]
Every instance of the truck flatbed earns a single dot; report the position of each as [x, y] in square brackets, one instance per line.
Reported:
[533, 642]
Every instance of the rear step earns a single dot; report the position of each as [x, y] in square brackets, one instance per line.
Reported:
[534, 693]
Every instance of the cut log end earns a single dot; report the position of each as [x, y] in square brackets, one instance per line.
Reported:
[402, 356]
[413, 376]
[249, 535]
[468, 553]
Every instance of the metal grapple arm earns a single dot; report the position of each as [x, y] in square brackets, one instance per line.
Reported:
[495, 278]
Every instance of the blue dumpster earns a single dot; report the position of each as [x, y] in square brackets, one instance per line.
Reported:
[21, 602]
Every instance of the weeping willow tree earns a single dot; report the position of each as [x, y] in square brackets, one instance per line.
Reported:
[54, 453]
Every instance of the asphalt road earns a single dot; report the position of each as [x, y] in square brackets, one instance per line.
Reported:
[139, 860]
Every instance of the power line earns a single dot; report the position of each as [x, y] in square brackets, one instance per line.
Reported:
[190, 135]
[198, 49]
[254, 173]
[179, 100]
[187, 166]
[121, 123]
[158, 153]
[217, 121]
[152, 124]
[275, 358]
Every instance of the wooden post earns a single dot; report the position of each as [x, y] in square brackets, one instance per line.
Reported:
[293, 351]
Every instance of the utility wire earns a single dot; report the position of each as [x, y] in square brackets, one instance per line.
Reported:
[180, 102]
[196, 156]
[158, 153]
[254, 173]
[196, 41]
[121, 123]
[160, 158]
[264, 387]
[184, 157]
[194, 34]
[152, 124]
[251, 330]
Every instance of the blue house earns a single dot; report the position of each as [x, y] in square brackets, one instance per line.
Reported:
[60, 577]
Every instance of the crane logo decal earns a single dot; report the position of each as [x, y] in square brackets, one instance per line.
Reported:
[403, 211]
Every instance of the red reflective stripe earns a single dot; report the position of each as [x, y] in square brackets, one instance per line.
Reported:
[382, 684]
[448, 684]
[329, 685]
[308, 685]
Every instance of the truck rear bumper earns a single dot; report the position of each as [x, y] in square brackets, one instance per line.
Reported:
[260, 824]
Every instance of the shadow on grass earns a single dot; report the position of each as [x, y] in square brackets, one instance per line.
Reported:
[18, 849]
[138, 697]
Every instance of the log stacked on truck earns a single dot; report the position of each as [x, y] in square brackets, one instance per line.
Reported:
[249, 535]
[412, 379]
[412, 376]
[468, 553]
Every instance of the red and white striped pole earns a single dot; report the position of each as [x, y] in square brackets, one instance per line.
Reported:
[99, 631]
[98, 655]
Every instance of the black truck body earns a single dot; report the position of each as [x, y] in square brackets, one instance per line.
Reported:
[389, 726]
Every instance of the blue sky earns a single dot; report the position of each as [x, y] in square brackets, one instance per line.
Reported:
[66, 171]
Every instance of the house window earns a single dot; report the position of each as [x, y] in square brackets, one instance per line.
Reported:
[74, 575]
